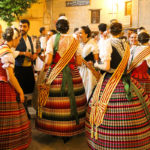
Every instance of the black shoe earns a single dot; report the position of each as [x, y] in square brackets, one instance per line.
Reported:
[66, 139]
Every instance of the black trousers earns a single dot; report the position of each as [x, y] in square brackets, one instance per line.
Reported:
[25, 77]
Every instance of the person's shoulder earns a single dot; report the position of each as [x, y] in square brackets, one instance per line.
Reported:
[53, 37]
[42, 38]
[67, 35]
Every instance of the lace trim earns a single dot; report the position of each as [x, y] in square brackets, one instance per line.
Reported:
[120, 45]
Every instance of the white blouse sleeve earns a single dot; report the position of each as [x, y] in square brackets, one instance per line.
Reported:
[50, 45]
[43, 42]
[105, 52]
[8, 60]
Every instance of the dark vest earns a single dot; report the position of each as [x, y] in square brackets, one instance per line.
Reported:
[22, 48]
[90, 57]
[115, 58]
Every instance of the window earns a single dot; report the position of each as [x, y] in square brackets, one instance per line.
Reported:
[95, 16]
[128, 8]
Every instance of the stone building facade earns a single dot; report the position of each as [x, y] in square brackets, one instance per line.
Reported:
[46, 12]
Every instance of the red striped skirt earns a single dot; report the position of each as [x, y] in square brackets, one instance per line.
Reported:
[56, 115]
[15, 130]
[144, 80]
[125, 125]
[141, 75]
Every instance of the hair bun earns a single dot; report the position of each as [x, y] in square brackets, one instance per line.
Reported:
[8, 34]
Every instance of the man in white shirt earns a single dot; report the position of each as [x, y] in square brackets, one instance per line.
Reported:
[41, 44]
[103, 36]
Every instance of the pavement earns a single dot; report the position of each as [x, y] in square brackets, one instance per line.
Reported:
[41, 141]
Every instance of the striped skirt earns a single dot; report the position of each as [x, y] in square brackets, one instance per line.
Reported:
[145, 82]
[15, 130]
[141, 75]
[56, 114]
[125, 126]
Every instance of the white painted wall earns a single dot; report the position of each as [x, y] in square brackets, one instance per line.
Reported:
[79, 16]
[141, 14]
[144, 14]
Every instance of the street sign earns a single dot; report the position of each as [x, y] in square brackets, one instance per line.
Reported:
[77, 3]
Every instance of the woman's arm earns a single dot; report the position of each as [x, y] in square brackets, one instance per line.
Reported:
[13, 81]
[105, 56]
[104, 66]
[48, 61]
[95, 50]
[49, 52]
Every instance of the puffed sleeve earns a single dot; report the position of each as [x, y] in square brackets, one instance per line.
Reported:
[50, 45]
[105, 52]
[8, 60]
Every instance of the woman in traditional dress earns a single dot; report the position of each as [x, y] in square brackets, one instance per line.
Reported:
[114, 120]
[15, 131]
[140, 61]
[90, 52]
[64, 112]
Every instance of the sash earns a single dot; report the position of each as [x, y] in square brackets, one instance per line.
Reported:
[95, 73]
[4, 50]
[142, 55]
[98, 108]
[64, 60]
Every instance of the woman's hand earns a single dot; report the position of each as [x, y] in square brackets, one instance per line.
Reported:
[104, 66]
